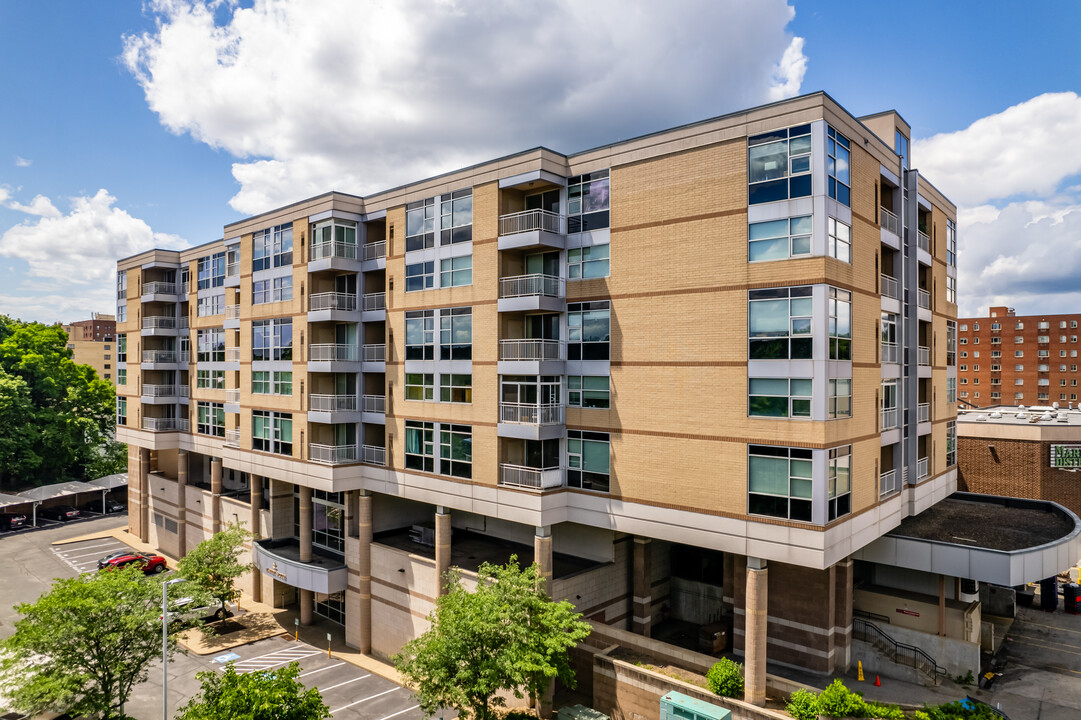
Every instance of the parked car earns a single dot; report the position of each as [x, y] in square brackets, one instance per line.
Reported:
[111, 506]
[188, 611]
[148, 562]
[62, 513]
[10, 521]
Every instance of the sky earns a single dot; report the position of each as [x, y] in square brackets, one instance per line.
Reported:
[154, 125]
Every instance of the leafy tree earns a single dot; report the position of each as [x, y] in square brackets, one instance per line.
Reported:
[82, 647]
[264, 695]
[214, 564]
[506, 635]
[17, 429]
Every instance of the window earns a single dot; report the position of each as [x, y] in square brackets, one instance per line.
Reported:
[456, 450]
[210, 419]
[963, 368]
[840, 482]
[107, 355]
[780, 323]
[121, 377]
[419, 446]
[260, 382]
[272, 290]
[588, 262]
[840, 242]
[996, 353]
[779, 239]
[419, 386]
[900, 146]
[1062, 353]
[334, 238]
[588, 330]
[455, 272]
[121, 411]
[283, 383]
[210, 345]
[590, 391]
[840, 399]
[272, 339]
[456, 333]
[779, 482]
[213, 379]
[211, 270]
[267, 382]
[272, 247]
[588, 199]
[420, 224]
[1019, 381]
[588, 460]
[211, 305]
[1062, 324]
[1018, 339]
[951, 390]
[1019, 326]
[837, 167]
[951, 442]
[456, 388]
[840, 324]
[122, 285]
[964, 354]
[272, 432]
[1019, 396]
[951, 344]
[419, 276]
[420, 335]
[951, 243]
[951, 289]
[121, 348]
[456, 217]
[779, 397]
[779, 165]
[122, 313]
[1018, 353]
[890, 417]
[994, 395]
[975, 341]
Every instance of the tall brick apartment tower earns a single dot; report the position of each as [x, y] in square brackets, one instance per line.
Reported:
[685, 372]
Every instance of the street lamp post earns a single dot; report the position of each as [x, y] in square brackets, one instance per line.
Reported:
[165, 644]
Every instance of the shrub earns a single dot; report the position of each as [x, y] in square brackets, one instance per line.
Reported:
[725, 678]
[803, 705]
[956, 711]
[887, 712]
[837, 701]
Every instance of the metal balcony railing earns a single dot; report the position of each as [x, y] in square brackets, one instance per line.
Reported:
[232, 438]
[923, 355]
[165, 390]
[887, 484]
[232, 269]
[375, 301]
[531, 286]
[890, 221]
[375, 403]
[185, 288]
[375, 353]
[890, 287]
[232, 312]
[530, 220]
[889, 418]
[923, 241]
[160, 322]
[530, 477]
[332, 454]
[232, 354]
[526, 414]
[530, 350]
[334, 249]
[165, 424]
[922, 468]
[923, 412]
[923, 299]
[232, 396]
[159, 356]
[889, 353]
[374, 455]
[159, 288]
[332, 301]
[375, 250]
[331, 352]
[332, 403]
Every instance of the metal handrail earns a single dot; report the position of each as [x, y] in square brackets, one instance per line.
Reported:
[159, 288]
[888, 483]
[375, 250]
[334, 249]
[924, 355]
[333, 351]
[922, 468]
[890, 221]
[530, 414]
[530, 220]
[526, 349]
[159, 356]
[530, 477]
[162, 322]
[332, 301]
[375, 301]
[923, 299]
[374, 455]
[890, 287]
[900, 653]
[332, 403]
[889, 418]
[332, 454]
[889, 352]
[375, 353]
[923, 241]
[374, 403]
[531, 285]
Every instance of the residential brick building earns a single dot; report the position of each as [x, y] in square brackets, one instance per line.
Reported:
[93, 342]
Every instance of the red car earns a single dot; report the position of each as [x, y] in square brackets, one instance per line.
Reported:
[150, 564]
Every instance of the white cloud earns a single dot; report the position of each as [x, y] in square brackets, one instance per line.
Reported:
[1026, 150]
[22, 162]
[40, 205]
[361, 95]
[78, 251]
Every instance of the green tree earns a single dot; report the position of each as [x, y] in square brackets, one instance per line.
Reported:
[17, 429]
[265, 695]
[505, 635]
[82, 646]
[214, 564]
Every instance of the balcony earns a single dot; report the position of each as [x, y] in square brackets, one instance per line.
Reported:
[334, 256]
[890, 222]
[521, 476]
[184, 289]
[923, 299]
[923, 241]
[232, 270]
[890, 287]
[159, 288]
[530, 421]
[280, 559]
[375, 404]
[232, 317]
[232, 438]
[159, 357]
[890, 353]
[232, 355]
[332, 301]
[374, 354]
[1043, 339]
[163, 391]
[922, 468]
[165, 424]
[923, 412]
[532, 228]
[333, 357]
[332, 403]
[888, 483]
[162, 325]
[523, 293]
[374, 455]
[924, 356]
[375, 250]
[332, 454]
[526, 356]
[890, 418]
[232, 395]
[375, 303]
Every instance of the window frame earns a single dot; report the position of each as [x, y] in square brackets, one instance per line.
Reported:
[580, 476]
[805, 502]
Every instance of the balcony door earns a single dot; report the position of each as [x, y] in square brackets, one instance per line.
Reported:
[542, 327]
[547, 200]
[346, 284]
[542, 264]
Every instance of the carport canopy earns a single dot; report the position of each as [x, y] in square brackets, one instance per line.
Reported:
[9, 500]
[57, 490]
[111, 482]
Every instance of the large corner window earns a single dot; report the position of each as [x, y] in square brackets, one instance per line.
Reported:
[456, 333]
[837, 165]
[272, 247]
[419, 446]
[780, 321]
[779, 482]
[271, 290]
[840, 307]
[456, 217]
[779, 397]
[779, 239]
[121, 411]
[588, 200]
[840, 399]
[840, 482]
[420, 335]
[840, 240]
[951, 441]
[334, 238]
[590, 391]
[272, 432]
[951, 243]
[951, 343]
[588, 262]
[210, 419]
[588, 460]
[456, 450]
[122, 348]
[420, 224]
[779, 165]
[951, 289]
[211, 270]
[210, 345]
[589, 327]
[456, 272]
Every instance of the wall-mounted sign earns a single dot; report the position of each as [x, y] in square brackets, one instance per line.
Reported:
[274, 572]
[905, 611]
[1066, 456]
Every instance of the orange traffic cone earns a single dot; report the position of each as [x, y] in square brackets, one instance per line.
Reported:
[878, 683]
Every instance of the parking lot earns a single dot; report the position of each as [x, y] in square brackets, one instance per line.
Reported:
[29, 562]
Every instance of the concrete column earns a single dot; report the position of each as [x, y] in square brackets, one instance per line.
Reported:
[256, 533]
[305, 524]
[144, 492]
[754, 669]
[542, 555]
[643, 586]
[181, 503]
[307, 602]
[442, 548]
[364, 568]
[842, 617]
[215, 495]
[942, 606]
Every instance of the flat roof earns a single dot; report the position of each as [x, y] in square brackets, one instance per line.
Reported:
[988, 521]
[1022, 415]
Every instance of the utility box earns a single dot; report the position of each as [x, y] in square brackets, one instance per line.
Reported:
[677, 706]
[579, 712]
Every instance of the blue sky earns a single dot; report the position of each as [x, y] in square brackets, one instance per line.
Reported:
[136, 126]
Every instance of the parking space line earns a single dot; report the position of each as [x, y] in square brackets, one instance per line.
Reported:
[388, 717]
[84, 547]
[328, 689]
[96, 553]
[312, 672]
[370, 697]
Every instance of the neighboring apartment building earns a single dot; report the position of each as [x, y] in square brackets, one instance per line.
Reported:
[1009, 359]
[684, 372]
[93, 343]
